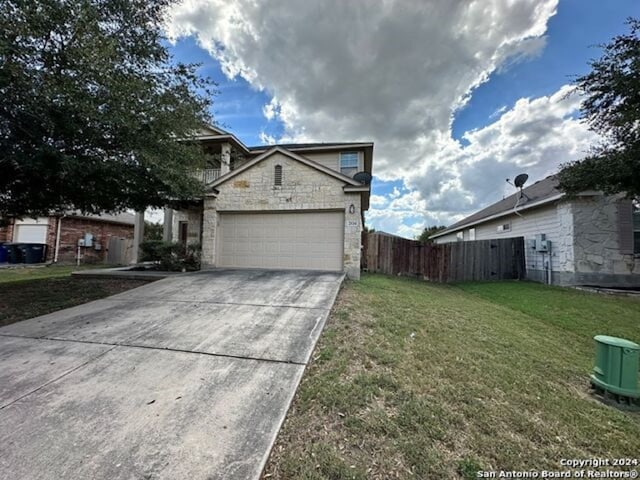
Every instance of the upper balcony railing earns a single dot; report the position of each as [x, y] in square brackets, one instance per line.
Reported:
[207, 175]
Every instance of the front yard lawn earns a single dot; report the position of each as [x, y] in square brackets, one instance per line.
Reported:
[19, 273]
[27, 293]
[417, 380]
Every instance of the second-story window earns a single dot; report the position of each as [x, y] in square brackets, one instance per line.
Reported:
[277, 176]
[349, 163]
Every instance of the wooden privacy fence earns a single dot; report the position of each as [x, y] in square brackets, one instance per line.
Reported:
[500, 259]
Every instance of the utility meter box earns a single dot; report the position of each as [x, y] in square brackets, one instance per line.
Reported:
[531, 243]
[544, 246]
[88, 240]
[616, 368]
[81, 242]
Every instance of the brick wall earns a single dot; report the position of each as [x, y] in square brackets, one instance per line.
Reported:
[71, 230]
[6, 233]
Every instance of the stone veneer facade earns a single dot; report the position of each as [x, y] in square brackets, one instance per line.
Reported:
[253, 190]
[596, 250]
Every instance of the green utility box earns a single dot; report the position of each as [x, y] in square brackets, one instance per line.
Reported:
[616, 368]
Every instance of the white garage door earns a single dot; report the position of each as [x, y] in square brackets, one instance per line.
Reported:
[311, 240]
[31, 233]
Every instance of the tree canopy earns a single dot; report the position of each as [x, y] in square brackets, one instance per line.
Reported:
[92, 106]
[611, 108]
[428, 231]
[153, 231]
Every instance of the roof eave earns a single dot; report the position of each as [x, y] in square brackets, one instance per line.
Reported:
[319, 147]
[220, 138]
[498, 215]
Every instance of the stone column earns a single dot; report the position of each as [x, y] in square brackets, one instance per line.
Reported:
[225, 158]
[138, 235]
[167, 228]
[209, 226]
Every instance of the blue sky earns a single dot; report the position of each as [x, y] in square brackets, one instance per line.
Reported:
[398, 74]
[572, 38]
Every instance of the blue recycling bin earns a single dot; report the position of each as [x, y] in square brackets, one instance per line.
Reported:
[4, 256]
[14, 254]
[33, 252]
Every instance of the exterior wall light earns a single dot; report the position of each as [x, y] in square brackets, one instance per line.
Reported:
[352, 208]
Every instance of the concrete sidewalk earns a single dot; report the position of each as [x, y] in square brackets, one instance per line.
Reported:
[186, 377]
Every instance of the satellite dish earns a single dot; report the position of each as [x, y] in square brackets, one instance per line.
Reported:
[363, 177]
[521, 180]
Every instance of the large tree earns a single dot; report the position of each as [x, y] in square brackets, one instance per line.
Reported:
[612, 108]
[92, 107]
[428, 231]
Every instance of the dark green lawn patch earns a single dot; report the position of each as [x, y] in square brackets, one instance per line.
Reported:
[584, 313]
[417, 380]
[18, 273]
[24, 299]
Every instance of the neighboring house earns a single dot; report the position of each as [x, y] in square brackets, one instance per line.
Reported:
[293, 206]
[61, 234]
[591, 239]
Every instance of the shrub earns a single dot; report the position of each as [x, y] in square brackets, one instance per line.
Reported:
[171, 256]
[150, 250]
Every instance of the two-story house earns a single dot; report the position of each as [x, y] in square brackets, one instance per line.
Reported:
[294, 206]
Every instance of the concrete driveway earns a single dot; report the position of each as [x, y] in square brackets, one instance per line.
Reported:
[187, 377]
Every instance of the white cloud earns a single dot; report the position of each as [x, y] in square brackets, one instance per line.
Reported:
[272, 109]
[498, 112]
[395, 72]
[533, 137]
[378, 200]
[395, 193]
[267, 139]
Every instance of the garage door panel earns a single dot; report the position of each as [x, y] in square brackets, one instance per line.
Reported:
[300, 240]
[31, 233]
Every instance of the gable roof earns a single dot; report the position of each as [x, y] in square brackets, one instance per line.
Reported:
[212, 129]
[541, 192]
[294, 156]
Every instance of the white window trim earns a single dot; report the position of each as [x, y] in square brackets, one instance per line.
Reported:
[358, 167]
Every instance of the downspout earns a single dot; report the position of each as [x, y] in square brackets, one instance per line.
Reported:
[57, 246]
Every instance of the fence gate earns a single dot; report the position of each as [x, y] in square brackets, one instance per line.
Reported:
[119, 251]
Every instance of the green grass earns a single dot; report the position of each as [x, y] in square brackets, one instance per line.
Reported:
[582, 313]
[417, 380]
[30, 292]
[33, 273]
